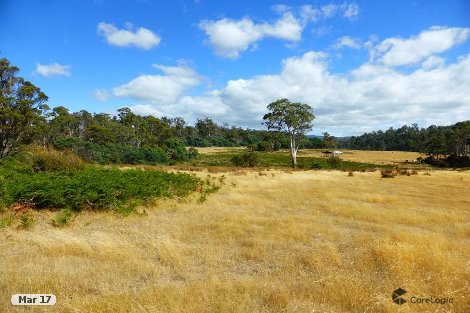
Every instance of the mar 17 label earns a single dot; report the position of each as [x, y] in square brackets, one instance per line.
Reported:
[33, 299]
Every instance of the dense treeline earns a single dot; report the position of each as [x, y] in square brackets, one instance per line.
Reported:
[445, 145]
[132, 139]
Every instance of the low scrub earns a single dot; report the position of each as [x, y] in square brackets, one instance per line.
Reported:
[96, 188]
[388, 173]
[63, 218]
[334, 161]
[247, 159]
[41, 159]
[450, 161]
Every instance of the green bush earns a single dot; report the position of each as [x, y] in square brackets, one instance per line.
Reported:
[46, 160]
[334, 162]
[176, 149]
[252, 147]
[26, 221]
[247, 159]
[112, 152]
[63, 218]
[193, 153]
[94, 188]
[316, 166]
[265, 146]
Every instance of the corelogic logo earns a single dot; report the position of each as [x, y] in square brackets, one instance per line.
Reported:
[396, 296]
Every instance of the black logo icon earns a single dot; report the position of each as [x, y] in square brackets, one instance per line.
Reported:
[396, 296]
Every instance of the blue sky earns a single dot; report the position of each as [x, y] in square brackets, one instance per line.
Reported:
[362, 65]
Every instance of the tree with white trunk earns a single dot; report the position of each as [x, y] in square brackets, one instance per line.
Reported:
[295, 119]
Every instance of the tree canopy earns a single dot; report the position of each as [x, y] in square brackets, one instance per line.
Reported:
[22, 107]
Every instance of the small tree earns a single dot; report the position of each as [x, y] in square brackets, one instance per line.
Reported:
[292, 118]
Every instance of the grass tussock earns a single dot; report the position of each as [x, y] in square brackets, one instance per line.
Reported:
[305, 241]
[388, 173]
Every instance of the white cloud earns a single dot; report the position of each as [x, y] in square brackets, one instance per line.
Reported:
[433, 62]
[146, 109]
[142, 38]
[350, 10]
[280, 8]
[329, 10]
[54, 69]
[347, 41]
[314, 14]
[398, 51]
[370, 97]
[160, 89]
[365, 99]
[101, 94]
[230, 37]
[308, 13]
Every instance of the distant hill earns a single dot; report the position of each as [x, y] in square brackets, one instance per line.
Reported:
[321, 137]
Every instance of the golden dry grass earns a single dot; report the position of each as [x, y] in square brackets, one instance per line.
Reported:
[282, 242]
[372, 157]
[215, 150]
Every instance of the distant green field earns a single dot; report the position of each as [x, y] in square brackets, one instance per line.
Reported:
[279, 159]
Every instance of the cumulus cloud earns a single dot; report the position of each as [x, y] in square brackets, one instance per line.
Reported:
[365, 99]
[101, 94]
[231, 37]
[397, 51]
[369, 97]
[53, 69]
[160, 89]
[142, 38]
[347, 41]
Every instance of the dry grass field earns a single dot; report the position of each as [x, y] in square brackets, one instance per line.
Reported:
[373, 157]
[272, 241]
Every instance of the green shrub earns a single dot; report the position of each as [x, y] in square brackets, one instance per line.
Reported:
[247, 159]
[334, 162]
[95, 188]
[316, 166]
[176, 149]
[63, 218]
[26, 221]
[46, 160]
[193, 153]
[252, 147]
[265, 146]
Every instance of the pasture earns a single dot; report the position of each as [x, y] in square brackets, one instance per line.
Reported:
[267, 241]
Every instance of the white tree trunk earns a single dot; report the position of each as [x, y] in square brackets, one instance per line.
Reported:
[293, 151]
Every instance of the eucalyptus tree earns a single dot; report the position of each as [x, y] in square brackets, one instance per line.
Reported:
[22, 108]
[294, 119]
